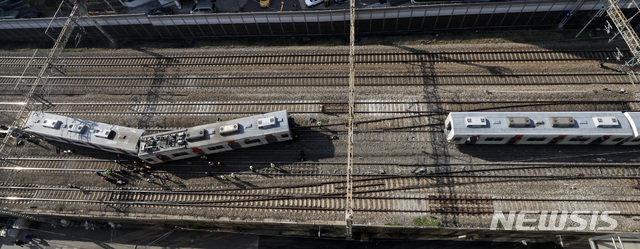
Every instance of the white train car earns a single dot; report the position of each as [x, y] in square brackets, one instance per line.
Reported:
[215, 138]
[562, 128]
[95, 135]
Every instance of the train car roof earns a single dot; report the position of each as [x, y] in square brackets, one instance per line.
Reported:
[542, 123]
[215, 133]
[76, 129]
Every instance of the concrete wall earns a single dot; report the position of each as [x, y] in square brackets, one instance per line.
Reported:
[419, 18]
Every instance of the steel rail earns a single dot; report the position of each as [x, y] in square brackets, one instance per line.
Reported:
[305, 164]
[335, 76]
[346, 54]
[284, 196]
[369, 209]
[174, 88]
[453, 173]
[238, 103]
[306, 59]
[611, 108]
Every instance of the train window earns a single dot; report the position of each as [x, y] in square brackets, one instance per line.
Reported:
[256, 140]
[536, 139]
[617, 139]
[248, 141]
[635, 140]
[180, 154]
[494, 139]
[457, 139]
[579, 139]
[284, 135]
[149, 160]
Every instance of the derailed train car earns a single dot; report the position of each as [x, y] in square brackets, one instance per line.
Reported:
[214, 138]
[95, 135]
[562, 128]
[162, 147]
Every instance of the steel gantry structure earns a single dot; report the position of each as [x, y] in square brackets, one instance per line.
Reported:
[625, 30]
[78, 10]
[623, 27]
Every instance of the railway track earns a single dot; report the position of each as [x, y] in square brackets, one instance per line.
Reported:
[319, 197]
[88, 165]
[66, 85]
[322, 195]
[458, 189]
[376, 108]
[319, 58]
[292, 168]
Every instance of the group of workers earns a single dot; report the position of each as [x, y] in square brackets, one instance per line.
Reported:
[137, 168]
[145, 170]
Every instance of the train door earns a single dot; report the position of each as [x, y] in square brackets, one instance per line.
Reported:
[600, 140]
[271, 138]
[235, 145]
[473, 139]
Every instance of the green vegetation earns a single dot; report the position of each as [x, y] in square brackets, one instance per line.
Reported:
[392, 224]
[426, 221]
[60, 207]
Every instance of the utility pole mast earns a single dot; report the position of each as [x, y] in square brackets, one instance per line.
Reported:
[352, 107]
[624, 29]
[78, 10]
[622, 24]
